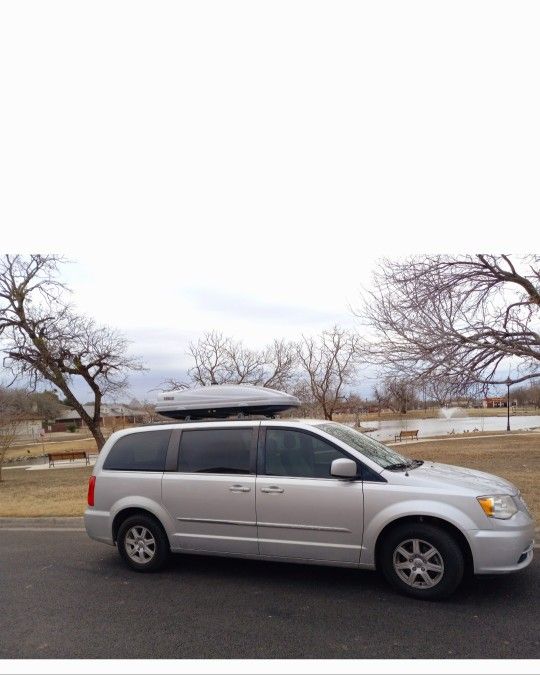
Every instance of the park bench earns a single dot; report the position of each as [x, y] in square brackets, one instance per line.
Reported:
[71, 456]
[406, 434]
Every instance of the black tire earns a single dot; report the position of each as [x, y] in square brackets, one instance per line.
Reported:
[159, 548]
[445, 571]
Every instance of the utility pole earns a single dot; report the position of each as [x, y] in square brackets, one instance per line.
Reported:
[508, 383]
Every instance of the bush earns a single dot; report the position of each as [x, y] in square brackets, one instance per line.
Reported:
[72, 428]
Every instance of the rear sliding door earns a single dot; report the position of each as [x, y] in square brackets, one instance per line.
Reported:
[211, 495]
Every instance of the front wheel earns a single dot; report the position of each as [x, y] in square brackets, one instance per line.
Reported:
[142, 543]
[422, 560]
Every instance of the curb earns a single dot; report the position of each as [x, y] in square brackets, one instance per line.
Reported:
[64, 521]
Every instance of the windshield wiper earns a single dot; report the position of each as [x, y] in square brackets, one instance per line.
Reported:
[400, 466]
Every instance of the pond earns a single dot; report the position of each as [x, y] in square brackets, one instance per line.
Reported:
[387, 429]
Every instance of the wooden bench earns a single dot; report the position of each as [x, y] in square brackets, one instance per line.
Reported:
[406, 434]
[71, 456]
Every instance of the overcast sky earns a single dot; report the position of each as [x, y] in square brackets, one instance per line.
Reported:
[161, 303]
[239, 165]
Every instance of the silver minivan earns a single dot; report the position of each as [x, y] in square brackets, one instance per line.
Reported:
[305, 491]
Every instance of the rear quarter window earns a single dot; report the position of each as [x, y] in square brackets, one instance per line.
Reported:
[143, 451]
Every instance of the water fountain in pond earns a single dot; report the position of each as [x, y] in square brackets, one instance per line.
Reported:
[448, 413]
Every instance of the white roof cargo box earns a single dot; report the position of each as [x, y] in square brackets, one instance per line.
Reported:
[224, 400]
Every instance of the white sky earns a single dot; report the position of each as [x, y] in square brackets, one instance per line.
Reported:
[240, 165]
[163, 304]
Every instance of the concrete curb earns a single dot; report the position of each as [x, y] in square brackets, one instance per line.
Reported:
[58, 522]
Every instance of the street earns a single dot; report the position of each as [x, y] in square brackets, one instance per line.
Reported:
[66, 596]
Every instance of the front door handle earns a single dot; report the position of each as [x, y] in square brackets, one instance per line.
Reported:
[239, 488]
[272, 488]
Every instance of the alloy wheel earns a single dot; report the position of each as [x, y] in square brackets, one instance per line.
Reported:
[418, 563]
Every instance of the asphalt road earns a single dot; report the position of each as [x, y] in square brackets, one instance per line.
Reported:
[65, 596]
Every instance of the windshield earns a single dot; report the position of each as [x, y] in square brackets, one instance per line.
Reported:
[372, 449]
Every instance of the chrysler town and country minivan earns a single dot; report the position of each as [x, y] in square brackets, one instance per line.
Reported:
[304, 491]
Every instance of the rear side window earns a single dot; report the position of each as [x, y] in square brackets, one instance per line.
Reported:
[215, 451]
[143, 451]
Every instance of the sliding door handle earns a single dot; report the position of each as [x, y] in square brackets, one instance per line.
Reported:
[272, 488]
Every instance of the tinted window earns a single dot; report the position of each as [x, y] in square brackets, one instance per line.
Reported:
[215, 451]
[143, 451]
[296, 454]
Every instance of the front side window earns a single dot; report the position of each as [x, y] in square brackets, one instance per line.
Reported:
[215, 451]
[142, 451]
[298, 454]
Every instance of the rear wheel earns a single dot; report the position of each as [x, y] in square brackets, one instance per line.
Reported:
[142, 543]
[422, 560]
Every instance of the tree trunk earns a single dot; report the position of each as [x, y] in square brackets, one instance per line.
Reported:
[96, 432]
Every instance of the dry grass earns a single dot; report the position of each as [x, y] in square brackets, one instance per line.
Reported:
[515, 457]
[62, 492]
[53, 492]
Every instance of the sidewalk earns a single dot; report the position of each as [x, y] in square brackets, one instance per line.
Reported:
[63, 464]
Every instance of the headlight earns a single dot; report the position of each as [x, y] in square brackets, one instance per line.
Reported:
[498, 506]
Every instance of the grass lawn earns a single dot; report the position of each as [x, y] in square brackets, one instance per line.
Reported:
[516, 457]
[54, 492]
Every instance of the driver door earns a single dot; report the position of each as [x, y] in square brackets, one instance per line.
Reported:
[302, 511]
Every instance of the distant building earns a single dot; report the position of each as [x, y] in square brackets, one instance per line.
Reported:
[496, 402]
[28, 427]
[111, 416]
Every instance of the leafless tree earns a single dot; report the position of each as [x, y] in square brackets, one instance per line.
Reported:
[150, 411]
[26, 402]
[329, 364]
[396, 393]
[210, 354]
[467, 319]
[221, 360]
[171, 384]
[9, 422]
[42, 338]
[441, 390]
[380, 397]
[279, 365]
[527, 395]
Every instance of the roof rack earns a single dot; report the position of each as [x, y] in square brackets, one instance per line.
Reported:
[219, 402]
[187, 420]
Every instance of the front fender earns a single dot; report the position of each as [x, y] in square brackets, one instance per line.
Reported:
[376, 522]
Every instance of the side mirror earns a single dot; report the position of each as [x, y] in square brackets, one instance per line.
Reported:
[343, 468]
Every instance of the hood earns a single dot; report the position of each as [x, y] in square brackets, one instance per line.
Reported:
[459, 476]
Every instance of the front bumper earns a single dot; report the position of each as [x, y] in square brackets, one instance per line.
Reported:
[508, 547]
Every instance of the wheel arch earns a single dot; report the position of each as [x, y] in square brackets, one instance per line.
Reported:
[445, 525]
[125, 513]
